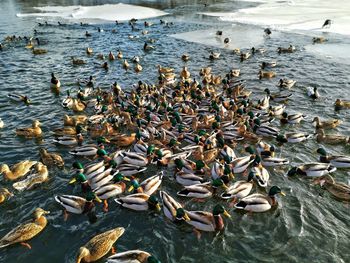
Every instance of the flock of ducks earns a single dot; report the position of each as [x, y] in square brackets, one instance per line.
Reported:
[204, 128]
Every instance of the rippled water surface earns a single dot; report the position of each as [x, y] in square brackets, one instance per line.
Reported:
[308, 226]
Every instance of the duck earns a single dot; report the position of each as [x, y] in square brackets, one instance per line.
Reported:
[340, 191]
[338, 161]
[203, 190]
[260, 174]
[19, 98]
[55, 83]
[318, 40]
[328, 124]
[24, 232]
[341, 104]
[2, 123]
[286, 83]
[188, 178]
[77, 61]
[185, 74]
[111, 56]
[266, 74]
[185, 57]
[274, 161]
[312, 169]
[289, 49]
[172, 209]
[4, 194]
[235, 73]
[74, 120]
[99, 245]
[17, 171]
[39, 51]
[293, 137]
[239, 189]
[209, 222]
[120, 54]
[135, 256]
[244, 56]
[126, 65]
[270, 64]
[86, 150]
[112, 189]
[214, 55]
[259, 203]
[292, 118]
[138, 68]
[151, 184]
[89, 50]
[33, 132]
[277, 110]
[266, 130]
[264, 149]
[312, 92]
[241, 164]
[331, 138]
[278, 97]
[130, 169]
[147, 47]
[76, 204]
[139, 202]
[39, 177]
[87, 34]
[69, 140]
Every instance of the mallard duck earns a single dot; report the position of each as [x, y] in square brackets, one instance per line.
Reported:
[286, 83]
[69, 140]
[292, 118]
[331, 138]
[265, 150]
[2, 124]
[135, 256]
[130, 169]
[264, 103]
[76, 204]
[241, 164]
[331, 124]
[87, 150]
[239, 189]
[77, 61]
[244, 56]
[4, 194]
[204, 190]
[74, 120]
[39, 51]
[151, 184]
[318, 40]
[289, 49]
[278, 97]
[171, 208]
[112, 189]
[261, 175]
[126, 65]
[147, 47]
[55, 83]
[25, 232]
[139, 202]
[266, 130]
[70, 131]
[185, 57]
[187, 179]
[259, 202]
[276, 110]
[135, 159]
[34, 131]
[214, 55]
[209, 222]
[185, 74]
[274, 161]
[87, 34]
[111, 56]
[338, 161]
[270, 64]
[89, 50]
[17, 171]
[341, 104]
[39, 177]
[235, 73]
[340, 191]
[293, 137]
[266, 74]
[99, 245]
[138, 67]
[312, 92]
[312, 169]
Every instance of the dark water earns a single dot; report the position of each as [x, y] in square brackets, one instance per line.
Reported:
[308, 226]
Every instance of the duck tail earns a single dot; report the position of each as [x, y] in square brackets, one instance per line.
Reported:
[331, 169]
[183, 193]
[240, 205]
[226, 196]
[118, 201]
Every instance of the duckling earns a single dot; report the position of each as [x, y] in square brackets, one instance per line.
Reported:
[138, 68]
[25, 232]
[55, 83]
[39, 177]
[312, 169]
[289, 49]
[340, 191]
[331, 138]
[99, 245]
[126, 65]
[214, 55]
[4, 194]
[259, 203]
[51, 159]
[292, 118]
[135, 256]
[111, 56]
[89, 51]
[331, 124]
[185, 57]
[286, 83]
[74, 120]
[313, 93]
[266, 74]
[270, 64]
[338, 161]
[33, 132]
[341, 104]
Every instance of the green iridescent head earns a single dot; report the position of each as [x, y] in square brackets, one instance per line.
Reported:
[180, 213]
[101, 140]
[150, 149]
[240, 111]
[217, 183]
[135, 184]
[172, 142]
[275, 190]
[219, 209]
[78, 165]
[250, 150]
[152, 259]
[80, 177]
[101, 152]
[200, 164]
[90, 196]
[118, 177]
[179, 163]
[322, 151]
[159, 153]
[251, 176]
[202, 133]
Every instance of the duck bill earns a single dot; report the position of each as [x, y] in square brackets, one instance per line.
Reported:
[131, 188]
[46, 212]
[126, 179]
[227, 214]
[282, 193]
[98, 199]
[186, 217]
[225, 186]
[158, 207]
[72, 181]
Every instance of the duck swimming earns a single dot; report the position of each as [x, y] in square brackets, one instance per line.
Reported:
[17, 171]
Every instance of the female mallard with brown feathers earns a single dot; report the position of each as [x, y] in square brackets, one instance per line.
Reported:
[25, 232]
[99, 245]
[51, 159]
[17, 171]
[34, 131]
[4, 194]
[134, 256]
[331, 124]
[340, 191]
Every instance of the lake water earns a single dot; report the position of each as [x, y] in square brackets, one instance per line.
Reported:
[308, 226]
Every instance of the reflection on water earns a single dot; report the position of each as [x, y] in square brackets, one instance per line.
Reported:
[309, 226]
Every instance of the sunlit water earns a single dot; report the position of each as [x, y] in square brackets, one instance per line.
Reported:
[308, 226]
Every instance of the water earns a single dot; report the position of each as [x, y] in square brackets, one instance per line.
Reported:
[308, 226]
